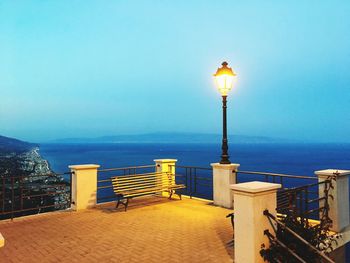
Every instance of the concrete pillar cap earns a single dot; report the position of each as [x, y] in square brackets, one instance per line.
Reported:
[231, 166]
[165, 160]
[254, 187]
[84, 166]
[332, 172]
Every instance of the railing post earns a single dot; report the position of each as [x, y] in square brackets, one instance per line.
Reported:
[166, 166]
[223, 176]
[250, 201]
[339, 202]
[84, 186]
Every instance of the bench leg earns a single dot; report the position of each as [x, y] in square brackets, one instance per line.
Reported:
[123, 203]
[171, 194]
[179, 195]
[126, 204]
[174, 192]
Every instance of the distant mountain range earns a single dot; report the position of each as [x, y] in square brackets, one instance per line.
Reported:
[172, 138]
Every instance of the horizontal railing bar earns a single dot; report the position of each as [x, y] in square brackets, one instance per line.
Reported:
[314, 210]
[192, 167]
[104, 181]
[312, 192]
[283, 204]
[126, 168]
[283, 200]
[30, 209]
[106, 197]
[9, 188]
[46, 194]
[104, 187]
[279, 175]
[316, 199]
[16, 197]
[204, 178]
[304, 187]
[31, 176]
[209, 185]
[197, 178]
[180, 175]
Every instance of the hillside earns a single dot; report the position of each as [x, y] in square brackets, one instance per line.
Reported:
[20, 158]
[11, 145]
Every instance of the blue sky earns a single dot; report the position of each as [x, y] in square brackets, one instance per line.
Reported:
[94, 68]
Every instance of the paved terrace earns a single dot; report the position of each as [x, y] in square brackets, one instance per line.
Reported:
[154, 229]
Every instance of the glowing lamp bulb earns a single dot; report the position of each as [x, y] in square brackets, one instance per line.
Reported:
[225, 77]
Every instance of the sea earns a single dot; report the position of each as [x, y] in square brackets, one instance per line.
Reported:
[291, 158]
[298, 159]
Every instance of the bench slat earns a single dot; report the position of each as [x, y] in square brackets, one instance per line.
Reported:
[149, 191]
[127, 177]
[124, 189]
[155, 180]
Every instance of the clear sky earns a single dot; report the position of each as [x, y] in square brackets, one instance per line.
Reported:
[93, 68]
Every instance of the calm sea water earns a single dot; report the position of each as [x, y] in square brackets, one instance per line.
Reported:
[302, 159]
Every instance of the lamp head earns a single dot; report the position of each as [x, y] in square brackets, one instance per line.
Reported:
[224, 78]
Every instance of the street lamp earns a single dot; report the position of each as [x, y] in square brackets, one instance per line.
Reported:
[224, 80]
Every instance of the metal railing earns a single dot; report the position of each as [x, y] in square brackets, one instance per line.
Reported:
[33, 194]
[299, 194]
[296, 245]
[198, 180]
[104, 186]
[304, 201]
[286, 180]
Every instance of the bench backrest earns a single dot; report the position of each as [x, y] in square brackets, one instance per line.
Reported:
[141, 181]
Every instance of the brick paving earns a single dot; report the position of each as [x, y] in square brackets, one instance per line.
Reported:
[153, 229]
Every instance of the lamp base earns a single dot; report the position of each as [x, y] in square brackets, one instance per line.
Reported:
[225, 160]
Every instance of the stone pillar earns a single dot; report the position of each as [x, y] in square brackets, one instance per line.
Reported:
[166, 165]
[84, 186]
[339, 204]
[250, 201]
[223, 176]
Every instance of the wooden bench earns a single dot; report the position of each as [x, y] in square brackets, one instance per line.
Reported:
[130, 186]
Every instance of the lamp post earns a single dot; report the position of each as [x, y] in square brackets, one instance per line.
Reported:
[224, 79]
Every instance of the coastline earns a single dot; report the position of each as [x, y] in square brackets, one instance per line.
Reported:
[36, 153]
